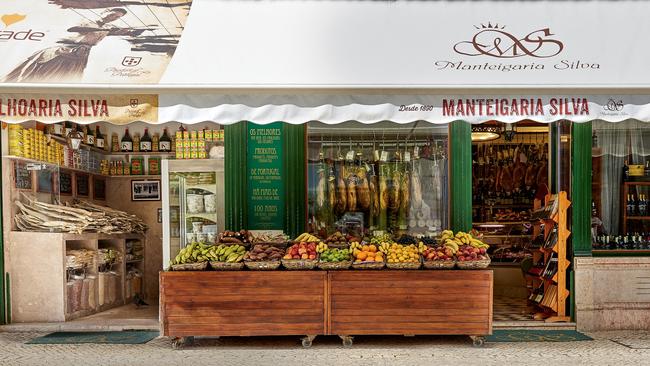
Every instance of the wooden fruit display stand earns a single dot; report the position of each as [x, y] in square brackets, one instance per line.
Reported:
[311, 303]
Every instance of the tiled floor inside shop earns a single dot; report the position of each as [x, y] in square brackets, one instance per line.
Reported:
[512, 309]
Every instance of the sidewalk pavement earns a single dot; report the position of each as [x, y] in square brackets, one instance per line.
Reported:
[607, 348]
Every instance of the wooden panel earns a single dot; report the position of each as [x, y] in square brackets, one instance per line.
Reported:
[411, 302]
[243, 303]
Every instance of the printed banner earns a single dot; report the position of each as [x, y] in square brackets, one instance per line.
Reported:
[116, 109]
[89, 41]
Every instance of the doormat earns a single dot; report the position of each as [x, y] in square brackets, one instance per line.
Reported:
[123, 337]
[536, 335]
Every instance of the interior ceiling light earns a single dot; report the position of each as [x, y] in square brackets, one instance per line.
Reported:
[485, 133]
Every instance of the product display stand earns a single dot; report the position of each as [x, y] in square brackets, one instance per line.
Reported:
[550, 282]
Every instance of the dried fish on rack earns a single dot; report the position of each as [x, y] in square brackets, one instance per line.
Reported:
[82, 216]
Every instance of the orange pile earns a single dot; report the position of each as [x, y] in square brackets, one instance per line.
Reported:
[368, 253]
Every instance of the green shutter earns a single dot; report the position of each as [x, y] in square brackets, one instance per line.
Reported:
[235, 186]
[461, 176]
[581, 189]
[2, 262]
[295, 179]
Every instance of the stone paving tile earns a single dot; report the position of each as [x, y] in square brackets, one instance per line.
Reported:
[286, 351]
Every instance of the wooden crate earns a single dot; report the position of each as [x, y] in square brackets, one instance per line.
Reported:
[410, 302]
[243, 303]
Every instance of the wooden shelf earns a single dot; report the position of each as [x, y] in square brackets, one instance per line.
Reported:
[140, 153]
[638, 217]
[61, 167]
[621, 251]
[156, 176]
[640, 183]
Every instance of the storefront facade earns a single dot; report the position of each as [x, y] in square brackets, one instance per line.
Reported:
[407, 63]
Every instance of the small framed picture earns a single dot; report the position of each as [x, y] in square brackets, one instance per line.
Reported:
[99, 188]
[145, 190]
[160, 215]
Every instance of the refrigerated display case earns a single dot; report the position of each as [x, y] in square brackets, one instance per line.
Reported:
[193, 203]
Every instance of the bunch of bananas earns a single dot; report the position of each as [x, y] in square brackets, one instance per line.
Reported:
[384, 247]
[193, 253]
[355, 245]
[321, 247]
[378, 240]
[422, 247]
[455, 241]
[307, 238]
[227, 253]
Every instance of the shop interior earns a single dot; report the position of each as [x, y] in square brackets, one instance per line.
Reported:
[107, 273]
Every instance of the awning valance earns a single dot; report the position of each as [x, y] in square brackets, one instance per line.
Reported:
[329, 109]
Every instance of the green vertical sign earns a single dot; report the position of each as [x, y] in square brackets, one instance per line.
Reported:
[265, 170]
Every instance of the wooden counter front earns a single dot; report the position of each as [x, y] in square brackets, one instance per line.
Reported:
[243, 303]
[410, 302]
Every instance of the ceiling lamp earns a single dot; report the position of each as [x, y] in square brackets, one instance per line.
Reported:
[485, 133]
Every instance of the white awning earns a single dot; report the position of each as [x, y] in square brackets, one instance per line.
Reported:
[370, 52]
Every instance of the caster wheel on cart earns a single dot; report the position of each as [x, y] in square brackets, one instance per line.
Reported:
[306, 341]
[478, 341]
[347, 341]
[181, 342]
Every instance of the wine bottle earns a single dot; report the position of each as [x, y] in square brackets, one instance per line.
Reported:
[145, 141]
[90, 136]
[126, 144]
[155, 145]
[165, 143]
[99, 138]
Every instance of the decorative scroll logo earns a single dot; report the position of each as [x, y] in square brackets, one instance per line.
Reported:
[492, 40]
[9, 19]
[614, 105]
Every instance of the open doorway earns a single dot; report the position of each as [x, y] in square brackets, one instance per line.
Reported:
[510, 171]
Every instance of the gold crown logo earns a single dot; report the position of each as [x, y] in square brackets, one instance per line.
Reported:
[490, 26]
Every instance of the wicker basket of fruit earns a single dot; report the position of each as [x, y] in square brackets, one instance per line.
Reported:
[367, 256]
[438, 257]
[263, 257]
[480, 263]
[300, 255]
[334, 258]
[403, 265]
[190, 266]
[402, 256]
[338, 240]
[263, 265]
[299, 264]
[439, 264]
[227, 266]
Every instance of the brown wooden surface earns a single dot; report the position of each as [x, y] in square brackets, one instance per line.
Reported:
[247, 303]
[243, 303]
[411, 302]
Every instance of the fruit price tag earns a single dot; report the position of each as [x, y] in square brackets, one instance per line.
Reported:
[416, 152]
[407, 156]
[384, 156]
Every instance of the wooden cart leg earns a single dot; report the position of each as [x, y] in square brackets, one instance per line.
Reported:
[478, 341]
[347, 340]
[306, 341]
[181, 342]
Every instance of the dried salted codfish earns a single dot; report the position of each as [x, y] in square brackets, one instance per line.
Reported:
[81, 217]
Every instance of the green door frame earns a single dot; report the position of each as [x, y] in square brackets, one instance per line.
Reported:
[3, 290]
[581, 189]
[461, 176]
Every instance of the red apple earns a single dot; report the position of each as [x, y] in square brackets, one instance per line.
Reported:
[482, 251]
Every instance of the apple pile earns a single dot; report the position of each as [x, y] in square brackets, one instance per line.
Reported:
[438, 253]
[301, 250]
[470, 253]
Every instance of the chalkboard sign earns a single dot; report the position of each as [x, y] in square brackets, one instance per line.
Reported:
[82, 185]
[65, 182]
[45, 181]
[99, 188]
[23, 176]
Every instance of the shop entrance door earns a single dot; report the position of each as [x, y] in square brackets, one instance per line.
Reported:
[510, 172]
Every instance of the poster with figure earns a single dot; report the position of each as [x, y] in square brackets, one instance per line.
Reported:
[89, 41]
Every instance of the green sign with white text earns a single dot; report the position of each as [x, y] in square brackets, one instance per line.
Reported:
[265, 177]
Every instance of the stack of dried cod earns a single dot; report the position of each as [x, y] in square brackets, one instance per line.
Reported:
[78, 217]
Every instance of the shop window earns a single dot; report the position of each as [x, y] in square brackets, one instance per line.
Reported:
[621, 185]
[382, 177]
